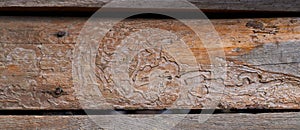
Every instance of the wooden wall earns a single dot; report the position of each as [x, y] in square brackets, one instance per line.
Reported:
[261, 58]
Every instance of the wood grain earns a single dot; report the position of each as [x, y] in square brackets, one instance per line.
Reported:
[207, 5]
[218, 121]
[36, 55]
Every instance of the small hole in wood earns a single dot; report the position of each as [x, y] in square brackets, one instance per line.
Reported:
[61, 34]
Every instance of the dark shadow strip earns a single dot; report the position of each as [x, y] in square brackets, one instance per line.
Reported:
[88, 11]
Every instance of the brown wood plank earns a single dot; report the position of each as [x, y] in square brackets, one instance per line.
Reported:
[207, 5]
[218, 121]
[261, 55]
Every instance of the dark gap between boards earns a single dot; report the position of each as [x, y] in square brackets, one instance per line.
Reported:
[186, 14]
[121, 111]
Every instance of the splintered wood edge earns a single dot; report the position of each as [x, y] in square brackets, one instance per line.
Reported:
[257, 77]
[217, 121]
[207, 5]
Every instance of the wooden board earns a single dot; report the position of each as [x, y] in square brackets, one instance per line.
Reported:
[218, 121]
[206, 5]
[36, 55]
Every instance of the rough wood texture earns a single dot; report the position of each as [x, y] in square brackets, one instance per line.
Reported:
[262, 58]
[218, 121]
[244, 5]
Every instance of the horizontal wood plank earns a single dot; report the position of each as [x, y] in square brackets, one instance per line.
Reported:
[206, 5]
[218, 121]
[36, 55]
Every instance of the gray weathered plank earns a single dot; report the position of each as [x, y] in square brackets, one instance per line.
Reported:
[243, 5]
[217, 121]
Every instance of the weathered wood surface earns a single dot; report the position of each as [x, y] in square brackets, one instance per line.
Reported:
[218, 121]
[262, 58]
[208, 5]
